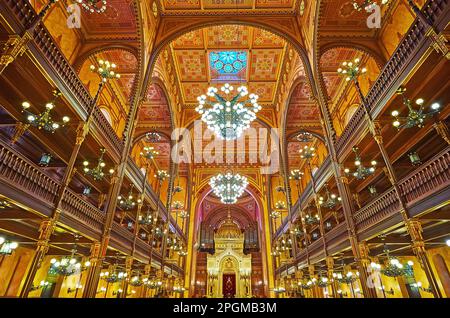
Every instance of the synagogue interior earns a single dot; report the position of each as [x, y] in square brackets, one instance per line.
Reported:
[224, 149]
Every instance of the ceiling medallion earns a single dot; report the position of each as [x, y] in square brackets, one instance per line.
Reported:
[367, 5]
[228, 187]
[97, 6]
[228, 117]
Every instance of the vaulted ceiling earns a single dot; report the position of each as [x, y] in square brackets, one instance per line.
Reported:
[197, 58]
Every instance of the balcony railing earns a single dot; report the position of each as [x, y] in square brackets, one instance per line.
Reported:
[20, 173]
[409, 51]
[75, 207]
[430, 178]
[53, 60]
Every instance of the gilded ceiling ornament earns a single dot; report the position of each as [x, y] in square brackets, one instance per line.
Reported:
[155, 9]
[302, 7]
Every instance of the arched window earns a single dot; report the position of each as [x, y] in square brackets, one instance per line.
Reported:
[349, 113]
[107, 115]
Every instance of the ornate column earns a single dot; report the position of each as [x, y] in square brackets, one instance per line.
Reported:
[343, 189]
[94, 271]
[146, 278]
[442, 130]
[418, 245]
[93, 259]
[128, 270]
[45, 232]
[330, 270]
[82, 132]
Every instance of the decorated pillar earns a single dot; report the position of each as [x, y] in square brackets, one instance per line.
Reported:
[128, 270]
[418, 245]
[330, 271]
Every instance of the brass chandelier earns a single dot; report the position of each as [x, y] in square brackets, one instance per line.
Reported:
[415, 117]
[228, 116]
[361, 172]
[97, 172]
[93, 6]
[44, 120]
[228, 187]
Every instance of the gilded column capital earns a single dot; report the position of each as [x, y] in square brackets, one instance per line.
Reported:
[19, 130]
[442, 130]
[415, 229]
[46, 229]
[330, 262]
[439, 42]
[95, 252]
[14, 47]
[82, 132]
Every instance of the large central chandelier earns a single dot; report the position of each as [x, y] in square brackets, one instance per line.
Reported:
[228, 116]
[228, 187]
[97, 6]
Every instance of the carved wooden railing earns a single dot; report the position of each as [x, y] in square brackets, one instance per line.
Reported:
[75, 207]
[123, 236]
[377, 210]
[396, 69]
[52, 55]
[426, 180]
[429, 177]
[25, 175]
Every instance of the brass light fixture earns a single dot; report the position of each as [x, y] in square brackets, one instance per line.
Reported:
[366, 4]
[45, 159]
[68, 266]
[93, 6]
[372, 190]
[4, 204]
[106, 70]
[161, 175]
[351, 69]
[127, 202]
[7, 247]
[361, 171]
[275, 214]
[332, 199]
[304, 137]
[414, 158]
[307, 152]
[153, 136]
[149, 152]
[44, 120]
[415, 117]
[97, 172]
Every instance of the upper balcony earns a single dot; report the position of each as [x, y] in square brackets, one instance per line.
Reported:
[43, 48]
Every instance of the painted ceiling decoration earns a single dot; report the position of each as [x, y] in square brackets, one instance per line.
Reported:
[154, 111]
[198, 5]
[232, 53]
